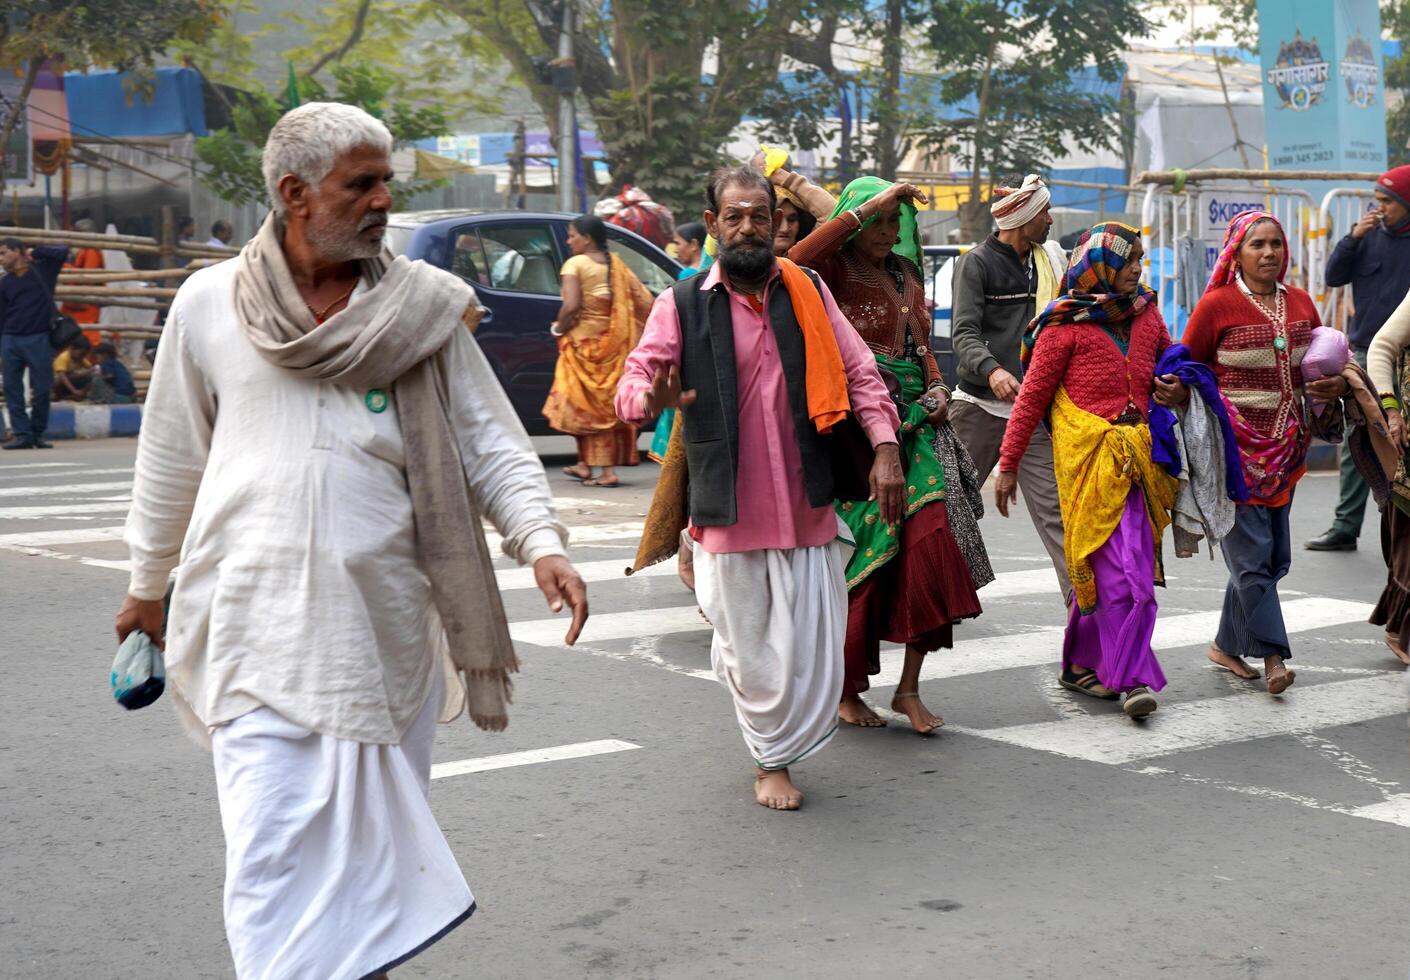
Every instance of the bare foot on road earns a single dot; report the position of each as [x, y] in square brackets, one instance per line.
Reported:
[773, 789]
[910, 705]
[854, 711]
[1234, 665]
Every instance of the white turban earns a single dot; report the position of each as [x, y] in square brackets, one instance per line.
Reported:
[1013, 208]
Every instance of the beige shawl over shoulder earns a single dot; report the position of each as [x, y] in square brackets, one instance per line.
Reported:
[392, 338]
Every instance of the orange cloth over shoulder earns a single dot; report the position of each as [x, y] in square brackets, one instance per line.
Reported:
[826, 380]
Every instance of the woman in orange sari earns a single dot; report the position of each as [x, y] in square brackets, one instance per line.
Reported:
[601, 319]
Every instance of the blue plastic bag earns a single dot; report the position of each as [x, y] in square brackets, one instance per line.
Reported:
[139, 672]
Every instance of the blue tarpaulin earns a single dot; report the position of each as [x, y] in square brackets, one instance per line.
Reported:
[100, 106]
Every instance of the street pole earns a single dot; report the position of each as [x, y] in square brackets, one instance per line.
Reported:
[565, 80]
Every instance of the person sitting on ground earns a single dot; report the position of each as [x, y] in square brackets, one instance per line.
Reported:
[73, 371]
[112, 383]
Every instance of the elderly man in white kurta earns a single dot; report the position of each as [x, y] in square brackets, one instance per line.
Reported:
[321, 437]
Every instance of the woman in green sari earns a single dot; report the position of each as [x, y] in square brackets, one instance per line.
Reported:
[910, 583]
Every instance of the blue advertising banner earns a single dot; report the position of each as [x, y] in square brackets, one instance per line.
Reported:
[1323, 100]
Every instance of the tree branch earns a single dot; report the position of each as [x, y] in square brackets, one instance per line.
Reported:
[338, 53]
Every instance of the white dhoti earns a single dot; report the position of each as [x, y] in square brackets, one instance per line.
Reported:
[334, 865]
[780, 620]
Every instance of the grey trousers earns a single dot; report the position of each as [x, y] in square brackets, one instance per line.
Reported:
[983, 434]
[1351, 504]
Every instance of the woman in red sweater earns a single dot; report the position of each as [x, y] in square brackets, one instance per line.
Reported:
[1092, 375]
[1252, 329]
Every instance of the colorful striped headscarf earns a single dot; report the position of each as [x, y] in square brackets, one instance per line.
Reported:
[862, 190]
[1226, 267]
[1087, 294]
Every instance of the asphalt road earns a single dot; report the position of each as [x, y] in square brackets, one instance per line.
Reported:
[1041, 835]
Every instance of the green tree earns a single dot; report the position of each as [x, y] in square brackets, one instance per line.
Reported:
[122, 34]
[232, 154]
[1395, 21]
[641, 68]
[1009, 79]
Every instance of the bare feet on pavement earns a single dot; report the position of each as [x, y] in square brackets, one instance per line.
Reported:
[910, 705]
[773, 789]
[854, 711]
[1234, 665]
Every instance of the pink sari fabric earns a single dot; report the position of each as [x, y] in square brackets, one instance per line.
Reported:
[1272, 463]
[1115, 638]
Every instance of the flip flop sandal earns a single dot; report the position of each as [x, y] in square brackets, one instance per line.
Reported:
[1138, 703]
[602, 486]
[1255, 675]
[1087, 684]
[572, 473]
[1281, 681]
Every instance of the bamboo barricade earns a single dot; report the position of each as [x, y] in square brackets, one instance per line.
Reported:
[134, 244]
[149, 290]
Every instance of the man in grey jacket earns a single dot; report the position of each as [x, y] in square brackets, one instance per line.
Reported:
[998, 287]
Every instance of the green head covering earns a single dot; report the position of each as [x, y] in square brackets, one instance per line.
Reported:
[862, 190]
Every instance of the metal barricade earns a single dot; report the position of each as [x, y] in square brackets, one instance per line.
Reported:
[1340, 211]
[1185, 224]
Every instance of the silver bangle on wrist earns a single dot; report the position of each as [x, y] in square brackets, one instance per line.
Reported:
[857, 213]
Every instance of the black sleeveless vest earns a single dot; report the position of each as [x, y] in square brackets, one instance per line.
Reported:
[710, 426]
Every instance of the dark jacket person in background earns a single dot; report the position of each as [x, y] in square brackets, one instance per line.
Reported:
[1374, 259]
[26, 314]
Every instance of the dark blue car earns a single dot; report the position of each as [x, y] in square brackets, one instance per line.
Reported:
[512, 259]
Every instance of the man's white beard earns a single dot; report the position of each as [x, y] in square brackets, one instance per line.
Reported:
[337, 240]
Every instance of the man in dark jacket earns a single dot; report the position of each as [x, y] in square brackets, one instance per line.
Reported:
[1374, 259]
[26, 315]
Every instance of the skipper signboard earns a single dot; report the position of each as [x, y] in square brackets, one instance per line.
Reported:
[1323, 98]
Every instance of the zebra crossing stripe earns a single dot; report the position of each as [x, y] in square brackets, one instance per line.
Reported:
[1038, 647]
[75, 511]
[1190, 726]
[68, 535]
[66, 489]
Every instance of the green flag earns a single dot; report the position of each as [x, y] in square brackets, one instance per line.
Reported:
[293, 88]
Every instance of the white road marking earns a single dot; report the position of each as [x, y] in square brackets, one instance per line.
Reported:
[116, 565]
[1044, 646]
[32, 466]
[68, 489]
[611, 626]
[592, 571]
[68, 535]
[1026, 582]
[626, 533]
[1394, 810]
[1193, 725]
[80, 511]
[588, 503]
[102, 471]
[577, 750]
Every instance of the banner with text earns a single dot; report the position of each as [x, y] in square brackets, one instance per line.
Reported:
[1323, 92]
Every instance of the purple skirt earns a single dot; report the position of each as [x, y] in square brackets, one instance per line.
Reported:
[1115, 638]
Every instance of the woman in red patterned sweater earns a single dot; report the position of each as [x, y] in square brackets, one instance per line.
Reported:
[1092, 375]
[1252, 329]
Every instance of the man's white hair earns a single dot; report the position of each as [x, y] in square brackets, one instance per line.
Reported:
[307, 142]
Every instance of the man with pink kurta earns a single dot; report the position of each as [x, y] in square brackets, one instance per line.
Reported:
[764, 369]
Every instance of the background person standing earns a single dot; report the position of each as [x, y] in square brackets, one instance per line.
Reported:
[26, 314]
[1375, 260]
[604, 308]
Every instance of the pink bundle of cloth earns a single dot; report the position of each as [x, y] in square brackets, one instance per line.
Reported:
[1327, 354]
